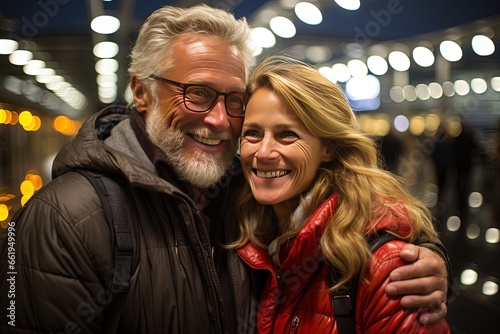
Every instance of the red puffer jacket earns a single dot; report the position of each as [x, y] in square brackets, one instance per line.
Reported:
[296, 298]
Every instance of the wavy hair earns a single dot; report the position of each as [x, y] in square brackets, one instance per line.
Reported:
[367, 193]
[151, 52]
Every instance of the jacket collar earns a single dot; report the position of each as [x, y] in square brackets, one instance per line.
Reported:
[305, 245]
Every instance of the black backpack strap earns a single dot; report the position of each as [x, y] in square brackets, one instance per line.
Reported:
[344, 299]
[122, 220]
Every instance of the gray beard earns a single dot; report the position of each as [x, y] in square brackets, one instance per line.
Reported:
[202, 169]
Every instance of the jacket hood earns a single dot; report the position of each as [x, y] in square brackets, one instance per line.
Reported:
[106, 143]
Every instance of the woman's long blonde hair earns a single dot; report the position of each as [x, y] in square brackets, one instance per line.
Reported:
[367, 194]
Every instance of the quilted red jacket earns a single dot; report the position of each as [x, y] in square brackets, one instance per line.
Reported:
[296, 298]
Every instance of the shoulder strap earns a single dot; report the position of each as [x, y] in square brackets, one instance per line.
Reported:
[344, 299]
[122, 220]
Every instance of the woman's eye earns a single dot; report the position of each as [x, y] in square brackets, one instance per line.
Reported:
[250, 133]
[288, 134]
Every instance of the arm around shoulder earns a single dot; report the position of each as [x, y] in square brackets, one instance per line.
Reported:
[376, 312]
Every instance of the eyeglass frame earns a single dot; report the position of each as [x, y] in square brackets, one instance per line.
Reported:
[185, 86]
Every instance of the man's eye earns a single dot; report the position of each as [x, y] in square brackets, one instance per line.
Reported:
[235, 99]
[199, 94]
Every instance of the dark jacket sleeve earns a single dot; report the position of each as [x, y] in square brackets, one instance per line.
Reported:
[437, 246]
[62, 254]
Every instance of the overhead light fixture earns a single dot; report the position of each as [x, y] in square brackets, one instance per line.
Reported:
[377, 65]
[357, 68]
[20, 57]
[451, 51]
[483, 45]
[399, 61]
[478, 85]
[423, 56]
[105, 24]
[263, 37]
[7, 46]
[308, 13]
[349, 4]
[106, 66]
[106, 49]
[33, 67]
[282, 27]
[341, 72]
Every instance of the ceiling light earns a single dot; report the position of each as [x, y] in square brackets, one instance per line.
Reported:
[105, 24]
[396, 94]
[102, 78]
[448, 88]
[423, 56]
[308, 13]
[341, 72]
[349, 4]
[44, 75]
[483, 45]
[377, 65]
[423, 92]
[451, 51]
[105, 50]
[363, 88]
[20, 57]
[33, 67]
[282, 27]
[473, 231]
[401, 123]
[417, 125]
[410, 93]
[468, 277]
[357, 68]
[7, 46]
[436, 90]
[263, 37]
[490, 288]
[106, 66]
[495, 84]
[461, 87]
[327, 71]
[478, 85]
[399, 61]
[492, 235]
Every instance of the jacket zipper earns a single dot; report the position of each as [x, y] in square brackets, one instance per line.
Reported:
[178, 257]
[279, 276]
[295, 324]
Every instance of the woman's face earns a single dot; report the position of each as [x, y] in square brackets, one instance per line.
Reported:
[279, 156]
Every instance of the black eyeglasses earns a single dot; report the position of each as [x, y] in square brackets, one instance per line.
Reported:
[199, 98]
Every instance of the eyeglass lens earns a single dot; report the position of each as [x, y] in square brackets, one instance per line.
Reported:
[201, 98]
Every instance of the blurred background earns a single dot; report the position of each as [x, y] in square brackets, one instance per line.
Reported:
[423, 77]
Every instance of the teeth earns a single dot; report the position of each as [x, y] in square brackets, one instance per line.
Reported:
[269, 175]
[207, 141]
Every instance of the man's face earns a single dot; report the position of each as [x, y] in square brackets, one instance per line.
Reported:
[199, 146]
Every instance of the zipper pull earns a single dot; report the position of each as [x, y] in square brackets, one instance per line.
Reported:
[295, 324]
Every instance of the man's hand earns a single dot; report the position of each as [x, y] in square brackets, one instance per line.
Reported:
[423, 282]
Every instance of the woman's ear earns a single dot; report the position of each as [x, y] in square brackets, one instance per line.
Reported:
[142, 97]
[327, 152]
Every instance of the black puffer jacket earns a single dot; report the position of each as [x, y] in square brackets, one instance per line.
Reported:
[64, 259]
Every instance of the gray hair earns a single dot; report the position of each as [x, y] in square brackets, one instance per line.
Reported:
[151, 52]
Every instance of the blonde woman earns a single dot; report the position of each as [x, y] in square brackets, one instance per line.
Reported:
[314, 195]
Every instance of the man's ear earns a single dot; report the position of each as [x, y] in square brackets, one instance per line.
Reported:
[142, 97]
